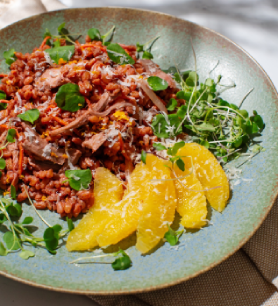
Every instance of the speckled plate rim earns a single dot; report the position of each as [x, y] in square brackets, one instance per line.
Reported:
[183, 279]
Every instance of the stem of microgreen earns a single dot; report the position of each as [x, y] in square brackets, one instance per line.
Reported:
[197, 100]
[233, 110]
[92, 257]
[11, 223]
[248, 93]
[31, 202]
[248, 159]
[214, 67]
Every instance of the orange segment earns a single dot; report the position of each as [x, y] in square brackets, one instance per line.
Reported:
[209, 172]
[108, 191]
[125, 221]
[192, 205]
[159, 206]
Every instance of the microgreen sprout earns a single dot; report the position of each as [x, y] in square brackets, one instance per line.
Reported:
[173, 236]
[122, 262]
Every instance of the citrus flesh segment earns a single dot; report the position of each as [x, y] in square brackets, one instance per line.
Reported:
[159, 205]
[128, 210]
[108, 191]
[209, 172]
[192, 203]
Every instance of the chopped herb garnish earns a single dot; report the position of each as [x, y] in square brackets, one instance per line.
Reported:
[31, 115]
[9, 56]
[107, 37]
[143, 156]
[156, 83]
[51, 238]
[171, 106]
[3, 97]
[69, 98]
[118, 55]
[159, 146]
[146, 48]
[13, 192]
[2, 163]
[172, 236]
[147, 55]
[121, 263]
[94, 34]
[70, 224]
[26, 254]
[57, 52]
[79, 179]
[11, 135]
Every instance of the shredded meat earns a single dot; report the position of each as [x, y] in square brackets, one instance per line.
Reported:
[51, 78]
[96, 141]
[154, 70]
[40, 149]
[155, 99]
[85, 117]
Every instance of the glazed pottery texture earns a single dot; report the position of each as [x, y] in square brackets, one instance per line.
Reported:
[251, 199]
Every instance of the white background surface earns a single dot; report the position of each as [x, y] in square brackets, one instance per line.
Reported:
[253, 24]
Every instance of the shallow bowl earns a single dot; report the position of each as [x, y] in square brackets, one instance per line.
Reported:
[251, 200]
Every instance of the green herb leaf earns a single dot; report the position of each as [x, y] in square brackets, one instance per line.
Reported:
[156, 83]
[25, 254]
[172, 237]
[143, 156]
[2, 163]
[65, 34]
[171, 106]
[159, 146]
[118, 55]
[31, 115]
[47, 33]
[13, 192]
[139, 48]
[9, 56]
[94, 34]
[166, 127]
[177, 146]
[27, 220]
[184, 95]
[50, 239]
[205, 144]
[180, 164]
[3, 97]
[2, 218]
[70, 224]
[191, 80]
[3, 251]
[205, 127]
[11, 135]
[147, 55]
[79, 179]
[69, 98]
[11, 241]
[106, 38]
[14, 210]
[259, 121]
[149, 44]
[122, 263]
[65, 53]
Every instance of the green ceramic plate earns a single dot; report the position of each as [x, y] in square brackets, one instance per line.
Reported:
[251, 200]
